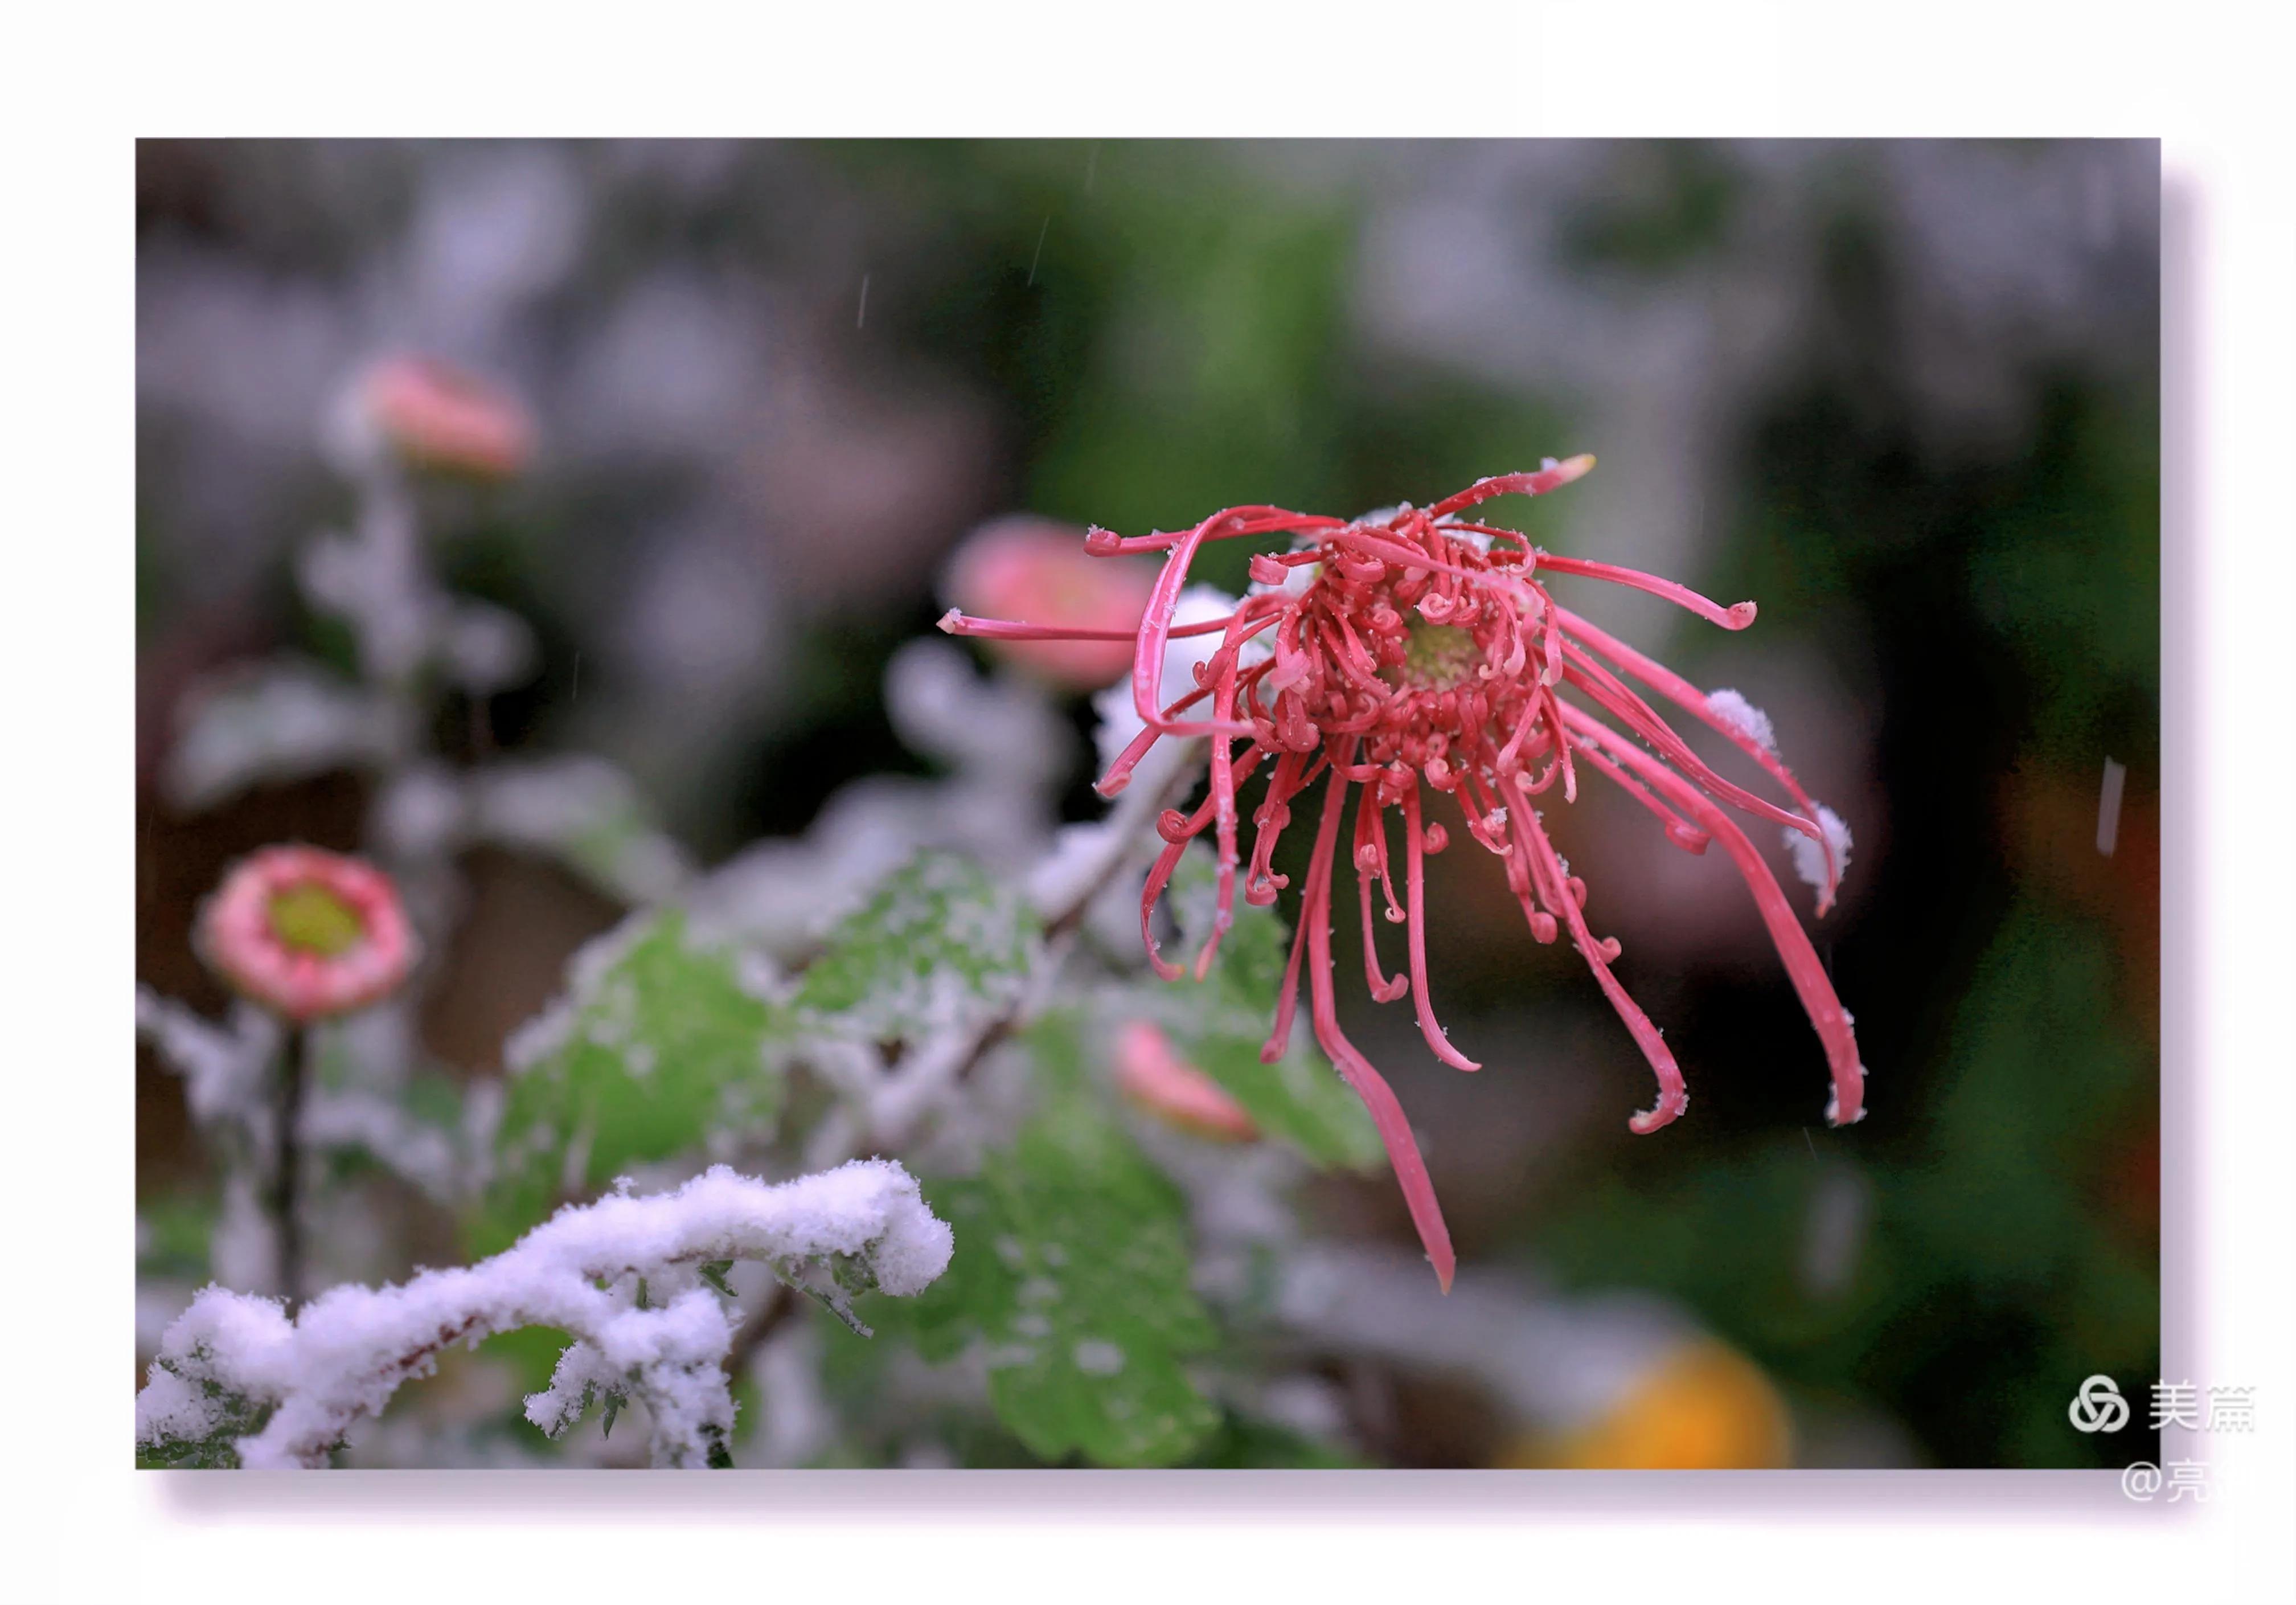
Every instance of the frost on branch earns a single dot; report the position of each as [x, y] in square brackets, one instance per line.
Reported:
[238, 1383]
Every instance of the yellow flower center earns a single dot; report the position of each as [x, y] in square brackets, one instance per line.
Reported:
[1439, 655]
[312, 919]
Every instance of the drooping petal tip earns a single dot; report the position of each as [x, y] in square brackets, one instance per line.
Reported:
[1660, 1116]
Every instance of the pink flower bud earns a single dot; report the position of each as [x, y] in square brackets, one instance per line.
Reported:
[1160, 1081]
[1037, 569]
[439, 416]
[306, 934]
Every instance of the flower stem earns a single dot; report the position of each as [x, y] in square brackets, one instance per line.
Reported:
[288, 1163]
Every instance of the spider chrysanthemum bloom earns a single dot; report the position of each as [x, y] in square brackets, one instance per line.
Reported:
[306, 934]
[1420, 661]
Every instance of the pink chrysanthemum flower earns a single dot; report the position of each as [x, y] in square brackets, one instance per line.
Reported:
[440, 416]
[306, 934]
[1033, 568]
[1150, 1073]
[1408, 652]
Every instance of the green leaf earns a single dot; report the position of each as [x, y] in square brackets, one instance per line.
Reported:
[1071, 1274]
[1218, 1027]
[656, 1045]
[172, 1232]
[939, 944]
[1246, 1443]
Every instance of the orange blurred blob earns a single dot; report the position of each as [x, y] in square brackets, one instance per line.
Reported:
[1037, 569]
[1701, 1407]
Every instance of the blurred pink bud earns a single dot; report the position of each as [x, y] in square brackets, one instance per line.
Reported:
[1160, 1081]
[306, 934]
[440, 416]
[1037, 569]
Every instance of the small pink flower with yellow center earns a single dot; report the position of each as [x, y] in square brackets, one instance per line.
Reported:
[1036, 568]
[440, 416]
[306, 934]
[1150, 1073]
[1411, 655]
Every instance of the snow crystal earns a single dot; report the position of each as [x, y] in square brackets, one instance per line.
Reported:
[1809, 857]
[1096, 1358]
[1743, 717]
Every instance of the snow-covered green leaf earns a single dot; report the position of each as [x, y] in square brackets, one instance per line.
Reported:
[1071, 1274]
[656, 1045]
[936, 946]
[201, 1420]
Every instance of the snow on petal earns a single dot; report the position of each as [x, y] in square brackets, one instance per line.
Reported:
[1809, 857]
[1743, 717]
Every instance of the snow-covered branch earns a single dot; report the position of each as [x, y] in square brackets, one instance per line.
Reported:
[239, 1383]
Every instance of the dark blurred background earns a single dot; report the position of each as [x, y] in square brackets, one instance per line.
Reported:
[1905, 395]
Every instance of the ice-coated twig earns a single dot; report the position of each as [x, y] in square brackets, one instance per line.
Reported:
[237, 1382]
